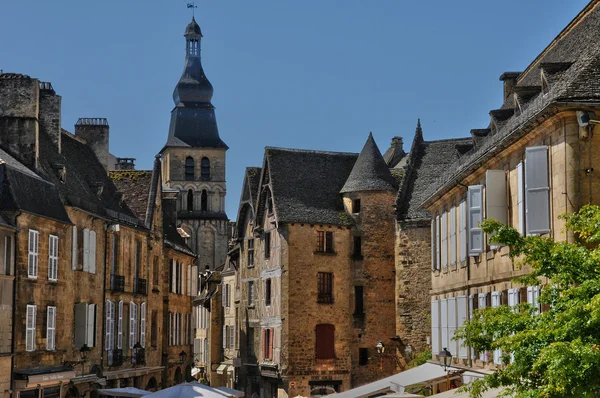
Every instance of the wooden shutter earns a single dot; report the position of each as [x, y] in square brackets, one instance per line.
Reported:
[109, 325]
[51, 328]
[521, 197]
[32, 259]
[74, 250]
[120, 326]
[435, 327]
[438, 243]
[461, 315]
[496, 302]
[452, 235]
[462, 238]
[170, 329]
[495, 195]
[444, 322]
[434, 264]
[223, 295]
[444, 233]
[537, 191]
[86, 249]
[132, 321]
[482, 301]
[30, 328]
[81, 324]
[91, 325]
[92, 261]
[452, 346]
[53, 258]
[272, 342]
[325, 346]
[472, 304]
[143, 324]
[474, 204]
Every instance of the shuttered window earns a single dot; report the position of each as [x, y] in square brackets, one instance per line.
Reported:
[194, 280]
[537, 191]
[482, 303]
[495, 197]
[32, 258]
[496, 302]
[462, 230]
[444, 322]
[521, 197]
[475, 217]
[435, 327]
[472, 307]
[92, 253]
[533, 295]
[232, 336]
[225, 329]
[53, 258]
[86, 250]
[51, 328]
[444, 233]
[434, 263]
[109, 326]
[74, 249]
[91, 325]
[133, 319]
[452, 345]
[80, 325]
[438, 241]
[325, 346]
[173, 276]
[452, 243]
[120, 326]
[143, 325]
[461, 315]
[30, 328]
[513, 301]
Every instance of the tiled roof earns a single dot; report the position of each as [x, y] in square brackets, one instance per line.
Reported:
[306, 184]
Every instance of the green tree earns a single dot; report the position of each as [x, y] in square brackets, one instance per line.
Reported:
[555, 353]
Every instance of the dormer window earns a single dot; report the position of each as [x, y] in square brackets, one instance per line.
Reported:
[545, 85]
[189, 168]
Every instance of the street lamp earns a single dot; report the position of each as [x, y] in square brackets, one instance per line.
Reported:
[136, 351]
[380, 350]
[83, 355]
[182, 356]
[445, 357]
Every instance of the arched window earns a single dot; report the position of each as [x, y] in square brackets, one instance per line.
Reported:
[189, 169]
[205, 169]
[204, 200]
[190, 200]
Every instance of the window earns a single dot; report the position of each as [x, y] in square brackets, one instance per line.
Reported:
[435, 265]
[268, 292]
[267, 344]
[482, 302]
[462, 230]
[30, 328]
[50, 328]
[325, 241]
[8, 255]
[189, 168]
[363, 356]
[109, 344]
[89, 251]
[155, 275]
[225, 339]
[251, 293]
[444, 244]
[190, 200]
[475, 217]
[267, 245]
[357, 251]
[452, 346]
[533, 296]
[205, 169]
[444, 322]
[251, 352]
[521, 197]
[114, 254]
[537, 191]
[225, 294]
[231, 336]
[325, 288]
[143, 324]
[154, 329]
[137, 256]
[133, 322]
[120, 326]
[204, 200]
[32, 259]
[74, 249]
[358, 300]
[495, 196]
[356, 206]
[250, 252]
[461, 302]
[325, 346]
[452, 236]
[85, 325]
[496, 302]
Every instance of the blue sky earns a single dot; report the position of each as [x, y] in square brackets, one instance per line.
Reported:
[308, 74]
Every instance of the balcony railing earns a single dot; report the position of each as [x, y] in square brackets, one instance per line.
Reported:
[141, 286]
[117, 283]
[140, 357]
[115, 358]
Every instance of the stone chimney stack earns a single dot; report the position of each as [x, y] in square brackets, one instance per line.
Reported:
[510, 81]
[49, 113]
[19, 108]
[95, 132]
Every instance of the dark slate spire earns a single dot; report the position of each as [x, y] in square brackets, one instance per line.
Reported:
[193, 121]
[370, 173]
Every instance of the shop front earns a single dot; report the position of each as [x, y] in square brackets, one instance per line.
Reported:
[42, 382]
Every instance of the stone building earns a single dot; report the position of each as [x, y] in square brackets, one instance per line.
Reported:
[193, 159]
[534, 162]
[7, 280]
[316, 263]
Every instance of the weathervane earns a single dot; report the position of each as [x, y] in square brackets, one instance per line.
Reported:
[192, 5]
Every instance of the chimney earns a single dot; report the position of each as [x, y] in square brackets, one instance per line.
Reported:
[125, 164]
[169, 209]
[49, 113]
[510, 80]
[95, 132]
[19, 107]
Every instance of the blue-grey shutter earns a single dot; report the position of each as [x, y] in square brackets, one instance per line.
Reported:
[435, 327]
[452, 236]
[444, 322]
[475, 207]
[433, 245]
[463, 230]
[537, 191]
[444, 234]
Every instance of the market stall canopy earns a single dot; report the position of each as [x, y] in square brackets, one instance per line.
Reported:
[124, 392]
[493, 393]
[189, 390]
[234, 393]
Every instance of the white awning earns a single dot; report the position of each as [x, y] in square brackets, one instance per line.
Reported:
[195, 371]
[222, 368]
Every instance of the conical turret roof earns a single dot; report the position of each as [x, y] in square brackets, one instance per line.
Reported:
[370, 173]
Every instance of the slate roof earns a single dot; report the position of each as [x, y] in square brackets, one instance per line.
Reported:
[248, 197]
[193, 28]
[395, 153]
[306, 184]
[571, 67]
[369, 173]
[135, 186]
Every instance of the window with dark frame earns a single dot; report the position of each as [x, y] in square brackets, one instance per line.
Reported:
[267, 245]
[363, 356]
[359, 307]
[204, 200]
[190, 200]
[268, 292]
[189, 168]
[325, 287]
[205, 169]
[356, 206]
[250, 252]
[357, 252]
[325, 242]
[325, 341]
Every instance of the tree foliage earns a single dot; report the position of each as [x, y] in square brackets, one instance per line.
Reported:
[555, 353]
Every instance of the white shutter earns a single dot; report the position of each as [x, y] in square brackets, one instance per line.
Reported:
[53, 258]
[444, 322]
[189, 280]
[91, 325]
[521, 197]
[444, 234]
[452, 345]
[482, 304]
[109, 311]
[194, 280]
[223, 295]
[452, 235]
[537, 191]
[474, 204]
[92, 253]
[461, 316]
[224, 336]
[30, 328]
[438, 243]
[143, 325]
[232, 337]
[513, 301]
[173, 276]
[120, 327]
[433, 245]
[435, 327]
[228, 295]
[74, 248]
[86, 249]
[131, 324]
[32, 258]
[51, 328]
[533, 294]
[462, 238]
[496, 302]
